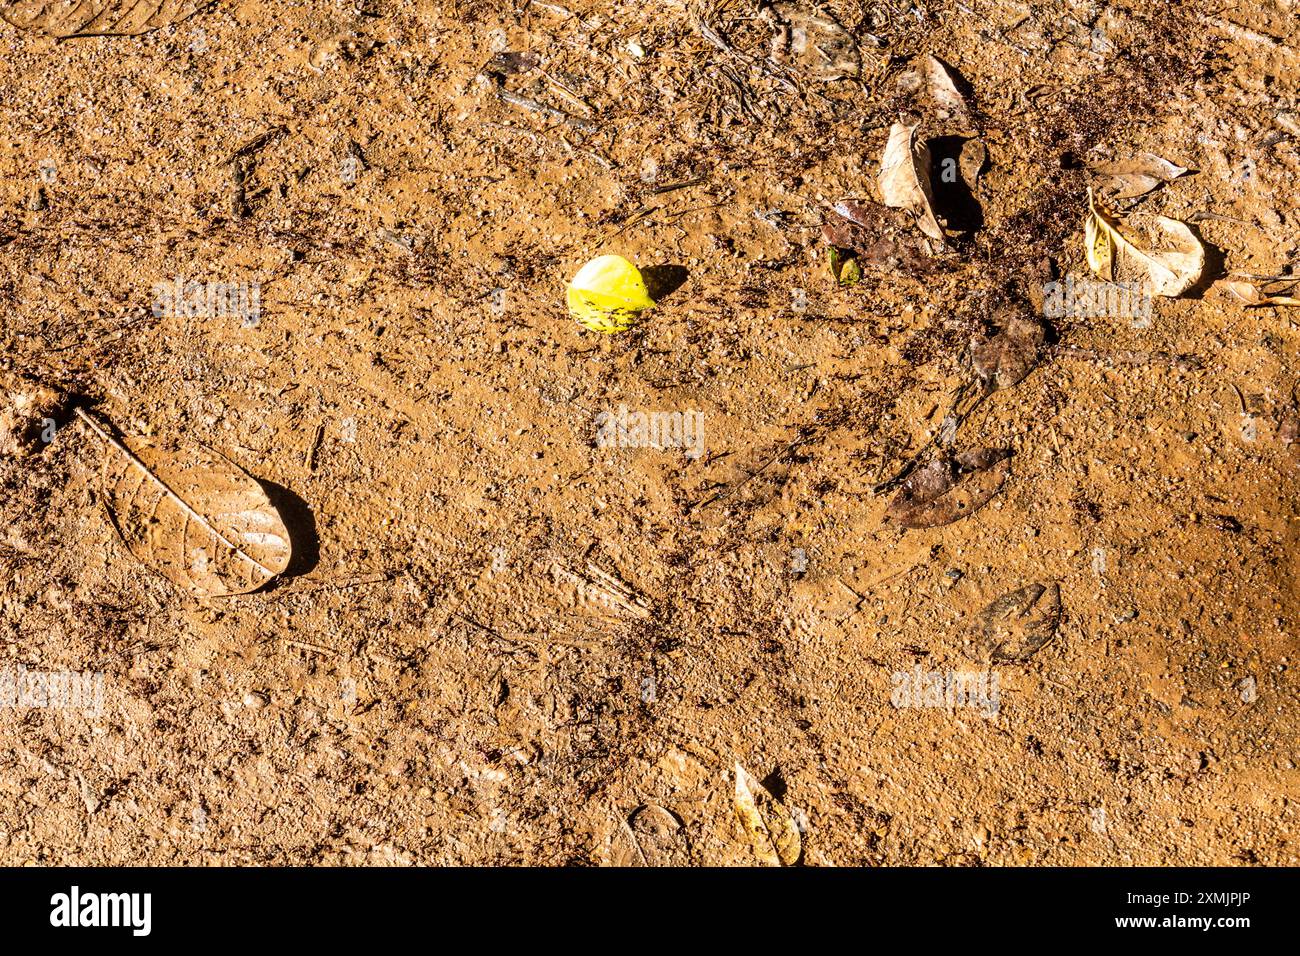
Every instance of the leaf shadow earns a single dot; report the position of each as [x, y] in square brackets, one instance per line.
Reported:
[300, 522]
[954, 201]
[663, 281]
[1215, 266]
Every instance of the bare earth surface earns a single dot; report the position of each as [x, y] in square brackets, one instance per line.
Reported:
[501, 643]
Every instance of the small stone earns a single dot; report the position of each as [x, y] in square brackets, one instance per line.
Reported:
[255, 701]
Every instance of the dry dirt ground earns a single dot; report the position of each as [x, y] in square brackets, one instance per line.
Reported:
[500, 643]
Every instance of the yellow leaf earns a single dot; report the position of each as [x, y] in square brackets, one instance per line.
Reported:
[608, 295]
[1130, 178]
[1167, 272]
[767, 823]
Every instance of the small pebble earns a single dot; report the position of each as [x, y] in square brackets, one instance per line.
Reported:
[255, 701]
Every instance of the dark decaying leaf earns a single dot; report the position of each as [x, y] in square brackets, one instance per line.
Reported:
[512, 61]
[1009, 355]
[878, 237]
[1018, 624]
[79, 18]
[192, 515]
[949, 488]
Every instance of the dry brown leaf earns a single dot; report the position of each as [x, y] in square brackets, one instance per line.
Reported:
[656, 837]
[1254, 296]
[1130, 178]
[1010, 355]
[947, 96]
[766, 822]
[85, 18]
[1112, 257]
[194, 516]
[878, 237]
[1018, 624]
[813, 42]
[905, 177]
[945, 490]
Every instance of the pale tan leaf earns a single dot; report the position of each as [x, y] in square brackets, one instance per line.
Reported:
[943, 88]
[81, 18]
[1166, 272]
[905, 177]
[766, 822]
[654, 836]
[1254, 296]
[191, 514]
[812, 41]
[1130, 178]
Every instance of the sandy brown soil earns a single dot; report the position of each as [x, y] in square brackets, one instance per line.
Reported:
[441, 677]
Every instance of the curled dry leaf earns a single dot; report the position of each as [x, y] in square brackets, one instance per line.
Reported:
[1112, 257]
[1016, 625]
[194, 516]
[1254, 296]
[766, 822]
[905, 177]
[1007, 357]
[947, 489]
[85, 18]
[1130, 178]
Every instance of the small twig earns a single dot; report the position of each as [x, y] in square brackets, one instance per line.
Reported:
[314, 447]
[254, 144]
[1186, 363]
[308, 646]
[672, 187]
[341, 585]
[528, 103]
